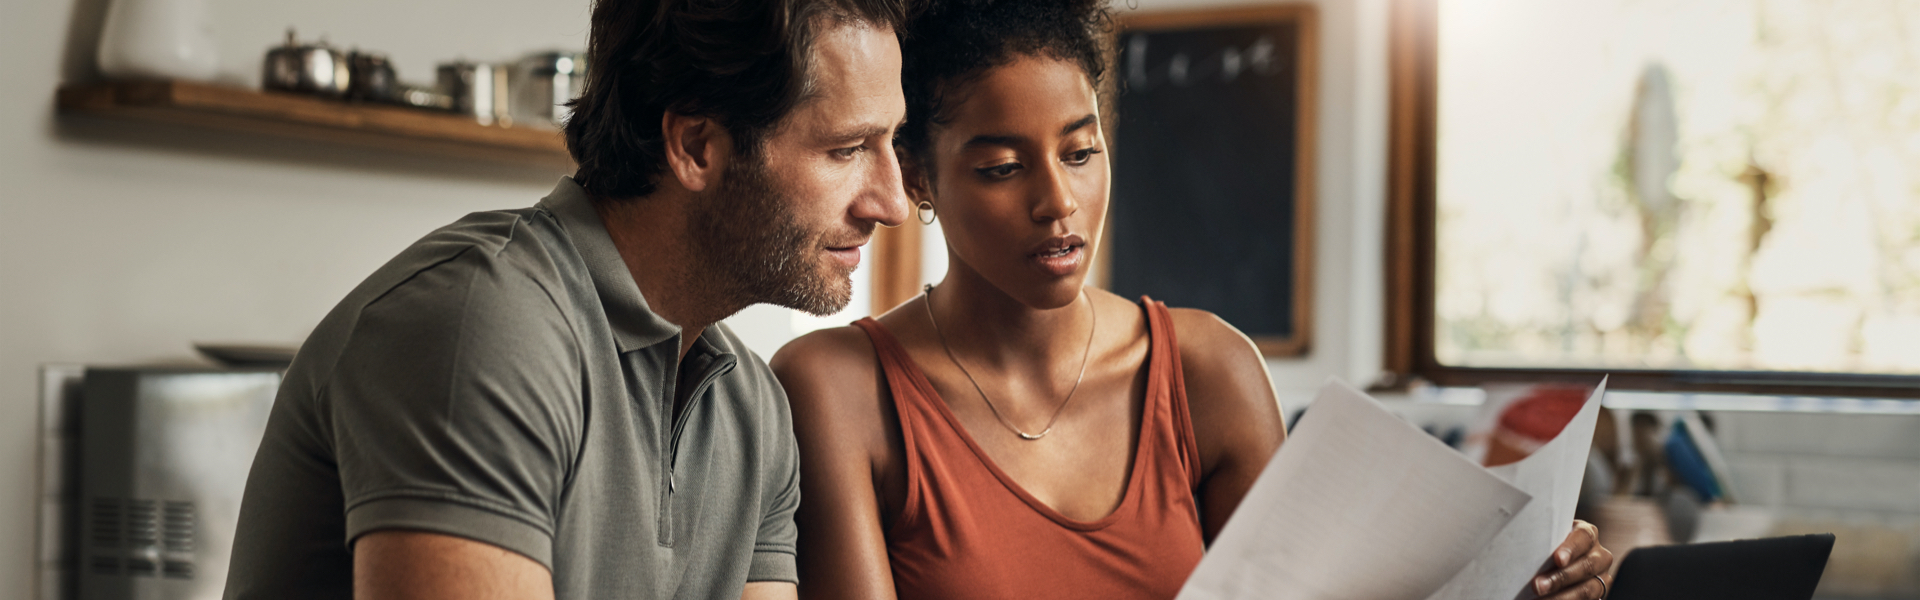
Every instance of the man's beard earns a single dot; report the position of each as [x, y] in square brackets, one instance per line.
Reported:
[750, 242]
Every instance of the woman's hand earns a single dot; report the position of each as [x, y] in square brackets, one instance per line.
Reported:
[1579, 567]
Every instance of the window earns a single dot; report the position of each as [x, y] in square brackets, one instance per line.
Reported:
[1695, 194]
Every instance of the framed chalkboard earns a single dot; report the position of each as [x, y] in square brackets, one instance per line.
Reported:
[1213, 167]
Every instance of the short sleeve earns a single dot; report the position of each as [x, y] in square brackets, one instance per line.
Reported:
[773, 548]
[455, 407]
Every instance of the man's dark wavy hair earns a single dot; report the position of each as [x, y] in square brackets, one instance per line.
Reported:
[744, 63]
[951, 42]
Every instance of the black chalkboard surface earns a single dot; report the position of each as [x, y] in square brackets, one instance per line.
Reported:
[1212, 167]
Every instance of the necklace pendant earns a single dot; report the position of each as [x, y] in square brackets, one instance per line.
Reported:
[1032, 436]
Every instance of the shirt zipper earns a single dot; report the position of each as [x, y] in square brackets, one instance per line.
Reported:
[722, 365]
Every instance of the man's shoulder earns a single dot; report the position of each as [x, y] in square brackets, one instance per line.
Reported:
[508, 259]
[498, 276]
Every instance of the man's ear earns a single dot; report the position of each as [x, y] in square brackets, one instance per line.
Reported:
[698, 149]
[916, 179]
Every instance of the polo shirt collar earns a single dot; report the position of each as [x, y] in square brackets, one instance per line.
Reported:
[635, 326]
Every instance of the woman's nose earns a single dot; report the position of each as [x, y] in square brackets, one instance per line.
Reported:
[1056, 198]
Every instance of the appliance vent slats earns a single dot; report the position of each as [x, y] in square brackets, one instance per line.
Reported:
[143, 523]
[131, 536]
[104, 565]
[177, 530]
[142, 567]
[104, 518]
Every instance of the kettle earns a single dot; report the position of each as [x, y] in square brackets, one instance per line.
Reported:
[307, 69]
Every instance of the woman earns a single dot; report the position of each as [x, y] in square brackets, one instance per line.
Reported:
[1012, 433]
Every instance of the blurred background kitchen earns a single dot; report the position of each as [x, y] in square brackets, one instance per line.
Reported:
[1718, 201]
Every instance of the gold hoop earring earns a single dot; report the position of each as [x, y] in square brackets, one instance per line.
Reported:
[926, 215]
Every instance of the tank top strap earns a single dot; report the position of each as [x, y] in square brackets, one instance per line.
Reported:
[904, 381]
[895, 363]
[1166, 358]
[907, 384]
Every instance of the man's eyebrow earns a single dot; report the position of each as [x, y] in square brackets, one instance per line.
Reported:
[862, 133]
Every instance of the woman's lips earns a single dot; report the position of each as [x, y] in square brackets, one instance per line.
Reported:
[1059, 261]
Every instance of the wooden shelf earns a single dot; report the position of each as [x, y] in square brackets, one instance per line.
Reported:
[315, 119]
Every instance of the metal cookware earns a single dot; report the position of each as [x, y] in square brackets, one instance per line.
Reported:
[420, 96]
[543, 83]
[371, 78]
[306, 68]
[479, 90]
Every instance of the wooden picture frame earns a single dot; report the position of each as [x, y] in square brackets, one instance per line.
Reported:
[896, 263]
[1295, 23]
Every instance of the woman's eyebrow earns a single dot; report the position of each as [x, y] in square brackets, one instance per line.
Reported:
[1013, 140]
[993, 140]
[1078, 124]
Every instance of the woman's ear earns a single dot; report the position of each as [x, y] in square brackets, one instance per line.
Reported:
[697, 149]
[915, 178]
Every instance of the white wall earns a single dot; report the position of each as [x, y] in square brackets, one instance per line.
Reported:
[126, 243]
[123, 243]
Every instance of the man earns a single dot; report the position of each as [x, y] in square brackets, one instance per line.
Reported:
[540, 403]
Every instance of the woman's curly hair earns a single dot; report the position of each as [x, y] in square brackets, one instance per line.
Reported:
[950, 43]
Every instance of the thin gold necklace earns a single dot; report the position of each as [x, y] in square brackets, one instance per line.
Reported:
[1093, 326]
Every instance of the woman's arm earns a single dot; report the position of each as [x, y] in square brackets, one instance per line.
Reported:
[1236, 419]
[833, 382]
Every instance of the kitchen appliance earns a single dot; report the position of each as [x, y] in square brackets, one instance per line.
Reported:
[306, 68]
[164, 457]
[543, 83]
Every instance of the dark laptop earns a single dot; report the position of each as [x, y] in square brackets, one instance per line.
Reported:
[1782, 568]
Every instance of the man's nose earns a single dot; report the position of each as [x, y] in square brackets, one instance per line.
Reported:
[884, 199]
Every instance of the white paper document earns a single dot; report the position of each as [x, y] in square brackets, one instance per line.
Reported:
[1551, 475]
[1357, 505]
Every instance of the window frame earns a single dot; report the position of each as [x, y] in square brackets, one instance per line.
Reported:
[1411, 250]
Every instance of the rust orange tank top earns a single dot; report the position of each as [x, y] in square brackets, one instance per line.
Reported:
[967, 530]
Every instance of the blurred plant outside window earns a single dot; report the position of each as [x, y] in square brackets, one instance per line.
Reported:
[1679, 184]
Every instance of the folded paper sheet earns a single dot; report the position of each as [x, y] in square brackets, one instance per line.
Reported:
[1551, 475]
[1357, 505]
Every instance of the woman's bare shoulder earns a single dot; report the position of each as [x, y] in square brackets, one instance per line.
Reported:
[1225, 372]
[1209, 342]
[826, 365]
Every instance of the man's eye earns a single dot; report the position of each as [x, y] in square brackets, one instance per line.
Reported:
[846, 153]
[1081, 157]
[999, 171]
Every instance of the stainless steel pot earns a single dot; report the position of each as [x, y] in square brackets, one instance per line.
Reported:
[478, 89]
[306, 68]
[371, 78]
[543, 84]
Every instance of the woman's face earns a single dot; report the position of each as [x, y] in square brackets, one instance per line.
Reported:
[1020, 178]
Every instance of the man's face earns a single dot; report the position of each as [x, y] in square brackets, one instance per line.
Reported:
[787, 222]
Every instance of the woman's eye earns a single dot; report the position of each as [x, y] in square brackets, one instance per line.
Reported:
[999, 171]
[1081, 157]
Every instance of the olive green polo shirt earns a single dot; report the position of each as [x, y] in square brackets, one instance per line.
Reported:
[503, 380]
